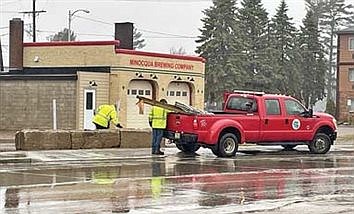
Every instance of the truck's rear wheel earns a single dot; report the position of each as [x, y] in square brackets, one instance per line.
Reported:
[320, 144]
[188, 148]
[228, 145]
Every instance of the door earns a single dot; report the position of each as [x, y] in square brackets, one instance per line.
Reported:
[273, 122]
[178, 91]
[89, 107]
[298, 126]
[134, 118]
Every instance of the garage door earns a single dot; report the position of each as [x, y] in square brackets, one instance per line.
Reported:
[178, 91]
[134, 119]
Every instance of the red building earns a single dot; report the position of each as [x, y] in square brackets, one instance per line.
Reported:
[345, 75]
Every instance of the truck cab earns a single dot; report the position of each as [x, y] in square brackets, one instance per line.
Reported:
[253, 117]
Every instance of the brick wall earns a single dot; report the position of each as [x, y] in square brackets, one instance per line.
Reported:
[28, 104]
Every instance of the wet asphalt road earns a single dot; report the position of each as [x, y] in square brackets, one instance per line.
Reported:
[258, 180]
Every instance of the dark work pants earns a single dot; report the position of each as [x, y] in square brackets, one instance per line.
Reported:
[156, 139]
[100, 127]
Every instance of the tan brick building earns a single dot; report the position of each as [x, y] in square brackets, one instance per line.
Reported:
[80, 76]
[345, 75]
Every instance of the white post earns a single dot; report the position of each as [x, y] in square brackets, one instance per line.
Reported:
[54, 114]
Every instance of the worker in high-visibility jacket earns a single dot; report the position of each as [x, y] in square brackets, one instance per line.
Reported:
[157, 121]
[104, 115]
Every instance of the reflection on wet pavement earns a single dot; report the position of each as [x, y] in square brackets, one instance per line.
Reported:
[180, 183]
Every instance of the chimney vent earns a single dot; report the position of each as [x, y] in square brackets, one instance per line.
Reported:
[124, 33]
[16, 44]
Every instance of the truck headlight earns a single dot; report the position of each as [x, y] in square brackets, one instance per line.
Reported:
[335, 122]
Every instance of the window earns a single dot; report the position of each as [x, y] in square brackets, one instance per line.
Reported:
[351, 43]
[89, 100]
[351, 74]
[128, 91]
[141, 92]
[178, 93]
[147, 92]
[184, 93]
[272, 107]
[351, 107]
[293, 107]
[134, 92]
[172, 93]
[242, 104]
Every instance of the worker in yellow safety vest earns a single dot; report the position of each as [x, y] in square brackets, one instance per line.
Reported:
[157, 121]
[104, 115]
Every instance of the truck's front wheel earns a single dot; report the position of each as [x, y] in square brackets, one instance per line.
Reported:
[320, 144]
[228, 145]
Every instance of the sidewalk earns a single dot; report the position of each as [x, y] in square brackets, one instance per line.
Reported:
[75, 156]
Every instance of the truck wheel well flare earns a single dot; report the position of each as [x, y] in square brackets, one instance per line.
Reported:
[327, 130]
[232, 130]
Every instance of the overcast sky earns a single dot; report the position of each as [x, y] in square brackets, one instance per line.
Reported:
[164, 23]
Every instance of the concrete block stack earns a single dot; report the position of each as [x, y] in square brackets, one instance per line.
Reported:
[95, 139]
[31, 139]
[135, 138]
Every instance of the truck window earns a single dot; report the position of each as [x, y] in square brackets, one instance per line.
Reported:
[272, 107]
[242, 104]
[293, 107]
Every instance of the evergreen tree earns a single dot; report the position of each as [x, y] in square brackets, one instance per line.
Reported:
[179, 51]
[313, 68]
[254, 27]
[138, 42]
[336, 14]
[317, 7]
[62, 36]
[295, 67]
[283, 38]
[219, 45]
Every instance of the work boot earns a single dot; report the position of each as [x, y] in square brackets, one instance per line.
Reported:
[158, 153]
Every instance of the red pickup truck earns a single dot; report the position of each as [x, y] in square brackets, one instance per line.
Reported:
[252, 117]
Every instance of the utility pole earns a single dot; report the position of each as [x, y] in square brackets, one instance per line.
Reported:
[1, 59]
[34, 13]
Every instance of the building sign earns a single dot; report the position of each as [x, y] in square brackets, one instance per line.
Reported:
[160, 64]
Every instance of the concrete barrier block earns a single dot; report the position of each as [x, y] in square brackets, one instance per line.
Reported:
[44, 140]
[135, 138]
[19, 140]
[95, 139]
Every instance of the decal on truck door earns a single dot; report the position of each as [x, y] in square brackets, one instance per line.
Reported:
[296, 124]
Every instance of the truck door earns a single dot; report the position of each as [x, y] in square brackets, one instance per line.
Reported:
[298, 126]
[272, 124]
[247, 107]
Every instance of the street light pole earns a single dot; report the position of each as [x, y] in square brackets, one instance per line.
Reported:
[71, 14]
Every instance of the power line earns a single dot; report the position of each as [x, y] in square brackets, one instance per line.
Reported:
[95, 20]
[143, 30]
[163, 1]
[8, 2]
[9, 12]
[167, 34]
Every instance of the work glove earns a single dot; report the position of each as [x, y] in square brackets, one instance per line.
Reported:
[119, 126]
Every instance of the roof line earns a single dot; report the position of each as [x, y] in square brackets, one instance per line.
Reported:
[71, 43]
[162, 55]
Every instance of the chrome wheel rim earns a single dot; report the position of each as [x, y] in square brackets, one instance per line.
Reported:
[320, 144]
[229, 145]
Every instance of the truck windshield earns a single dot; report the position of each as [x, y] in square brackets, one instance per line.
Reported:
[242, 104]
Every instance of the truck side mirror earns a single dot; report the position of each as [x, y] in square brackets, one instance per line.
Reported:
[310, 112]
[307, 113]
